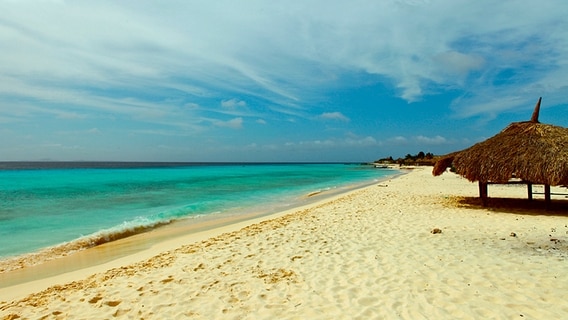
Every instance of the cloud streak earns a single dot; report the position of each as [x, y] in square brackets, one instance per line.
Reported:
[178, 65]
[259, 48]
[236, 123]
[233, 103]
[334, 116]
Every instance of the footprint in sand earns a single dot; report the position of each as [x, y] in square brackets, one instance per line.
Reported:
[113, 303]
[95, 299]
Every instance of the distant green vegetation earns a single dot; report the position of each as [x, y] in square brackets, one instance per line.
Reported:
[419, 159]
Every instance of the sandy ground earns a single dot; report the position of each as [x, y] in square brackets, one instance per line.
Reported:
[370, 253]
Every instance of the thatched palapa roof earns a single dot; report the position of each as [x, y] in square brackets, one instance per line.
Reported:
[531, 151]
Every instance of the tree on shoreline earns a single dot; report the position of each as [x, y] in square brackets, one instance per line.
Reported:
[420, 159]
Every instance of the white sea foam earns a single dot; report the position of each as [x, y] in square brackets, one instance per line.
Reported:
[109, 204]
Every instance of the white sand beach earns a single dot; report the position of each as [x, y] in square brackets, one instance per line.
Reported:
[367, 254]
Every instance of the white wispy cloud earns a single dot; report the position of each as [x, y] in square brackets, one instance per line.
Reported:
[98, 44]
[397, 140]
[271, 50]
[70, 115]
[458, 63]
[431, 140]
[236, 123]
[176, 68]
[349, 141]
[233, 103]
[333, 116]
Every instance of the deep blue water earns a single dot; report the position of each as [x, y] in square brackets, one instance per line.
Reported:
[47, 204]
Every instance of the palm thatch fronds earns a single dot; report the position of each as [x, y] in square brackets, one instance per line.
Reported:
[531, 151]
[443, 163]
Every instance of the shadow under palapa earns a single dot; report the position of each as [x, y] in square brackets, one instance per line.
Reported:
[557, 207]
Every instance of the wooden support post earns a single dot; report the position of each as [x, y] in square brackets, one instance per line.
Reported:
[529, 190]
[547, 195]
[483, 192]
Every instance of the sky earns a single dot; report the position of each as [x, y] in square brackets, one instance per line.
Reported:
[256, 80]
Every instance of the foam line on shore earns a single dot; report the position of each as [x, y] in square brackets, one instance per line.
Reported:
[59, 264]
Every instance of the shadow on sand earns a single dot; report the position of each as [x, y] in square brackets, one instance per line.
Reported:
[517, 206]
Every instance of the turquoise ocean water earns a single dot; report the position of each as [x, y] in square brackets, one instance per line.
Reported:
[49, 204]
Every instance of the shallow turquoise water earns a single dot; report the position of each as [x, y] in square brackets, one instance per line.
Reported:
[43, 207]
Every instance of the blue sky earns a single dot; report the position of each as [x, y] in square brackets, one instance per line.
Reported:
[273, 81]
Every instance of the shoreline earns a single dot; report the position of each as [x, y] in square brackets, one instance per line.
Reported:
[159, 232]
[26, 279]
[367, 253]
